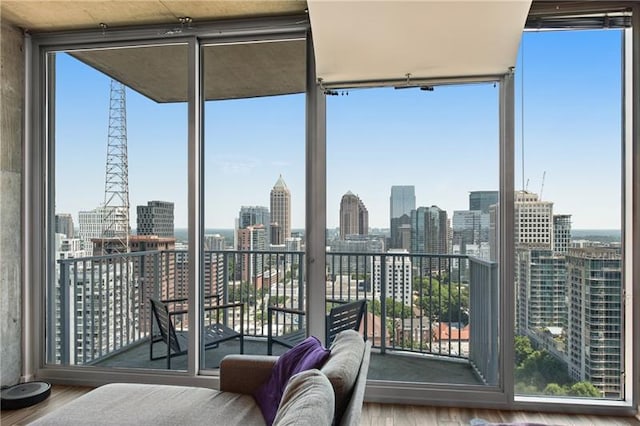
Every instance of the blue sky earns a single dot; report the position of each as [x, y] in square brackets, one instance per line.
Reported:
[444, 142]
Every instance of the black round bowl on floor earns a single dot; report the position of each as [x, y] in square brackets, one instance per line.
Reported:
[24, 394]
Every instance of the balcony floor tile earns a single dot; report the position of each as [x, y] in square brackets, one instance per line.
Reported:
[390, 366]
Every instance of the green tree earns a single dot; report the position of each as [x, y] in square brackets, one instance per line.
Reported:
[584, 389]
[554, 389]
[245, 292]
[541, 368]
[446, 303]
[393, 309]
[277, 300]
[523, 349]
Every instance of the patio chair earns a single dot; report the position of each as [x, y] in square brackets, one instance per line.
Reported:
[176, 341]
[343, 316]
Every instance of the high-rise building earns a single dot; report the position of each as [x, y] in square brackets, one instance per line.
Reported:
[401, 203]
[156, 218]
[156, 273]
[354, 217]
[396, 272]
[429, 230]
[111, 283]
[64, 225]
[561, 232]
[533, 221]
[214, 242]
[595, 316]
[251, 239]
[90, 227]
[469, 227]
[542, 295]
[255, 215]
[353, 263]
[281, 210]
[481, 200]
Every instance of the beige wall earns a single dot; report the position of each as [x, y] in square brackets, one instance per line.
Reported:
[11, 137]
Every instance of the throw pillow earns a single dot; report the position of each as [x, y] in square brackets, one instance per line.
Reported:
[307, 401]
[305, 355]
[343, 367]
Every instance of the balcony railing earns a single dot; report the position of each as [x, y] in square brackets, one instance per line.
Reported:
[427, 304]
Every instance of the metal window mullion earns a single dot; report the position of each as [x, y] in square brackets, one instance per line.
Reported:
[315, 197]
[195, 202]
[506, 241]
[631, 202]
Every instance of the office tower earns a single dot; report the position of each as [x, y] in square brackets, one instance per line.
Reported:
[401, 203]
[90, 224]
[276, 234]
[594, 351]
[255, 215]
[156, 218]
[293, 244]
[353, 263]
[396, 272]
[429, 230]
[466, 227]
[251, 239]
[64, 225]
[561, 232]
[535, 259]
[281, 211]
[214, 242]
[354, 217]
[542, 295]
[481, 200]
[533, 221]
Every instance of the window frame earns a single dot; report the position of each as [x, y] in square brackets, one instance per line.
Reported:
[38, 216]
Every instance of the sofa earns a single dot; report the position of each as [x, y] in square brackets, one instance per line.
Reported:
[331, 394]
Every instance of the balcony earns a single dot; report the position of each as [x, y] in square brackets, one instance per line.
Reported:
[431, 318]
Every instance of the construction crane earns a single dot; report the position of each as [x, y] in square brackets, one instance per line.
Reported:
[542, 185]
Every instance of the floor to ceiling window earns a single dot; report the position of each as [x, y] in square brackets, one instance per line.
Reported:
[569, 286]
[254, 194]
[412, 193]
[119, 230]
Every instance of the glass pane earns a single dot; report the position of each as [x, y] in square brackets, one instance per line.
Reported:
[411, 197]
[569, 322]
[254, 196]
[120, 198]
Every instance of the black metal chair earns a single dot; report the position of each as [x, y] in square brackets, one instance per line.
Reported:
[343, 316]
[176, 341]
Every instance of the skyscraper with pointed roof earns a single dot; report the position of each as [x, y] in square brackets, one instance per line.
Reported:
[280, 211]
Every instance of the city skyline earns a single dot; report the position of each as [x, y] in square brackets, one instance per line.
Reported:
[376, 138]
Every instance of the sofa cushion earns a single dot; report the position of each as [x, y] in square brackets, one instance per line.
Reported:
[307, 401]
[305, 355]
[138, 404]
[343, 366]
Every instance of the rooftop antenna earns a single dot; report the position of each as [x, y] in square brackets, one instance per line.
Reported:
[115, 228]
[542, 185]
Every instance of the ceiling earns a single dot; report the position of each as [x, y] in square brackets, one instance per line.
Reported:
[46, 15]
[390, 42]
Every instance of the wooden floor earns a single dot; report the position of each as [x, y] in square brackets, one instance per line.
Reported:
[372, 414]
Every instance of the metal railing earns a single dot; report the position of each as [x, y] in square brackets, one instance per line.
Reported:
[441, 305]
